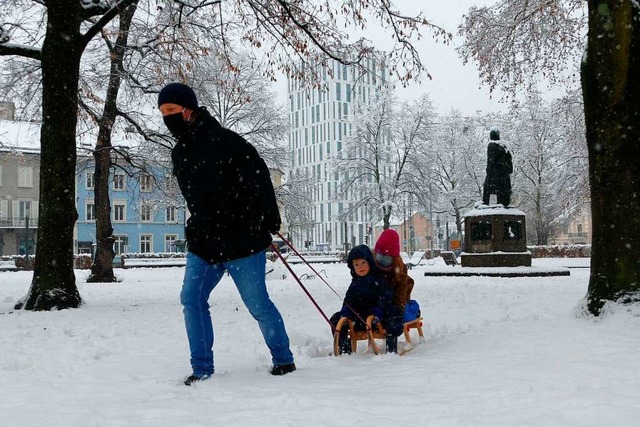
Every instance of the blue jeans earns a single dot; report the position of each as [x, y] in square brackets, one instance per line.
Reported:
[200, 277]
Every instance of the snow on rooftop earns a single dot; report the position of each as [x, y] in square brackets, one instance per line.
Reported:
[24, 136]
[20, 136]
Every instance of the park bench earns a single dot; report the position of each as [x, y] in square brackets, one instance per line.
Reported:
[449, 257]
[416, 259]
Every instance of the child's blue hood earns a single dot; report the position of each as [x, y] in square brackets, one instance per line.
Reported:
[361, 252]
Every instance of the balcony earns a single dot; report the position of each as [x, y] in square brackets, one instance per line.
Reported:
[18, 223]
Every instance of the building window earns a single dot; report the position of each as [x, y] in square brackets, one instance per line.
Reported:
[90, 209]
[90, 182]
[170, 242]
[119, 211]
[145, 212]
[118, 182]
[24, 208]
[25, 177]
[0, 175]
[146, 243]
[145, 183]
[120, 244]
[170, 215]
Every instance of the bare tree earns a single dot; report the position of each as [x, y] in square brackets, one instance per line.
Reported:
[241, 98]
[548, 179]
[519, 43]
[536, 143]
[365, 161]
[456, 156]
[296, 198]
[376, 158]
[573, 173]
[102, 266]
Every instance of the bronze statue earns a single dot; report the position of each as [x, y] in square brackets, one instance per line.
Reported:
[499, 167]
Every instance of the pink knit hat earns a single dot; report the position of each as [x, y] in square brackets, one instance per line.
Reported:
[388, 243]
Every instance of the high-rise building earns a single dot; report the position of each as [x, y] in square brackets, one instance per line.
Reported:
[320, 121]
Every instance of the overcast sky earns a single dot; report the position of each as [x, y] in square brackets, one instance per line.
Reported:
[453, 84]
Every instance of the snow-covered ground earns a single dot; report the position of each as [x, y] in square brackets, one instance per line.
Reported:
[498, 352]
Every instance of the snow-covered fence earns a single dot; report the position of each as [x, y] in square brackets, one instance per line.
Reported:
[316, 258]
[164, 259]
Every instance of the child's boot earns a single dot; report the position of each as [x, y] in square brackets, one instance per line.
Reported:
[392, 344]
[344, 343]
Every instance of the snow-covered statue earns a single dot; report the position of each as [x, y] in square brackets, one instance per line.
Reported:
[499, 169]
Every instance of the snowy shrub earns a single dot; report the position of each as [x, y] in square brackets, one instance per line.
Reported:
[560, 251]
[83, 261]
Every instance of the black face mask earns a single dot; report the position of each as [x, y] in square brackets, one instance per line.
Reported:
[176, 124]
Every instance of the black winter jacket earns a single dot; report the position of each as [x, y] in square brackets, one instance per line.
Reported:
[366, 295]
[228, 191]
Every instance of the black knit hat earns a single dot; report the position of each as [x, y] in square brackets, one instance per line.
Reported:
[180, 94]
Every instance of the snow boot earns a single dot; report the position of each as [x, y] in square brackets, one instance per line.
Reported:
[344, 344]
[283, 369]
[194, 379]
[392, 344]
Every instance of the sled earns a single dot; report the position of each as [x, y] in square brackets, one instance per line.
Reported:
[372, 334]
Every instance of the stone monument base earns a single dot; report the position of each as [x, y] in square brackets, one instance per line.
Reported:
[496, 259]
[495, 236]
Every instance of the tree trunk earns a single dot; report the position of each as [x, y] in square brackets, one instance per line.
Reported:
[53, 285]
[612, 111]
[102, 267]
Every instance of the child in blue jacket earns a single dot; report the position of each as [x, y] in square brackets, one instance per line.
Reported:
[367, 293]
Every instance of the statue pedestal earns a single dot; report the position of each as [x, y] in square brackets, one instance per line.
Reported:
[495, 237]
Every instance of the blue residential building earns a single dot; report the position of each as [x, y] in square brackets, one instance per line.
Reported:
[147, 211]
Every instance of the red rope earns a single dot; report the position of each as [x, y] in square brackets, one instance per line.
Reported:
[317, 274]
[305, 261]
[306, 291]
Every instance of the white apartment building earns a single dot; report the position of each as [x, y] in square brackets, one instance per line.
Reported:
[320, 121]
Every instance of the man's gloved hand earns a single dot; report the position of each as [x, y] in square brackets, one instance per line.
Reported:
[275, 228]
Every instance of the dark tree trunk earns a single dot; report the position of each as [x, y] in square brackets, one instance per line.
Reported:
[102, 268]
[611, 89]
[459, 224]
[53, 285]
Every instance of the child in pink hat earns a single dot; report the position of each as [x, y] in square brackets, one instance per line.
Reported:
[386, 255]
